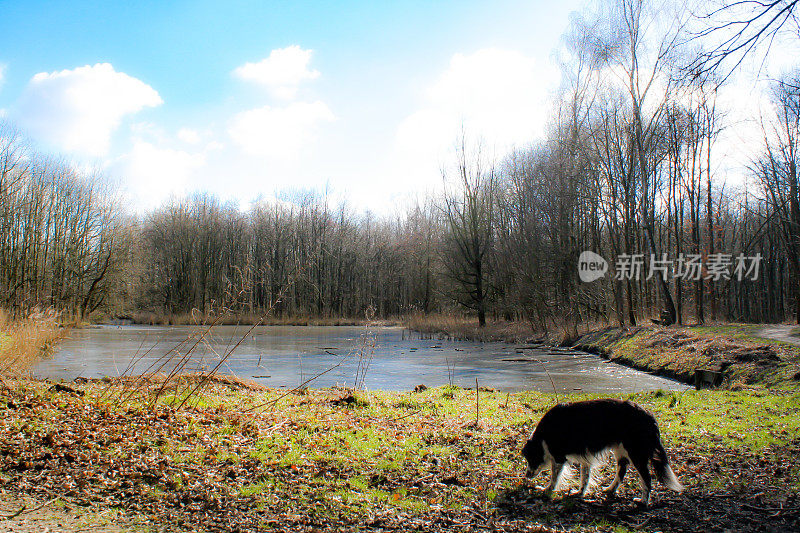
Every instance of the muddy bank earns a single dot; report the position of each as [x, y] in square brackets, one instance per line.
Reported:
[730, 355]
[734, 355]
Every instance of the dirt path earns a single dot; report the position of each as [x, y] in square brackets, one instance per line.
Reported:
[780, 332]
[24, 514]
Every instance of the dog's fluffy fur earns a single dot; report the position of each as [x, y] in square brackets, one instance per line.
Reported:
[584, 432]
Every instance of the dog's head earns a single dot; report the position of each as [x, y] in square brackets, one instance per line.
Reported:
[533, 452]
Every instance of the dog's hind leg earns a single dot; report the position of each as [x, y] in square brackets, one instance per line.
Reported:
[642, 467]
[586, 476]
[583, 479]
[622, 469]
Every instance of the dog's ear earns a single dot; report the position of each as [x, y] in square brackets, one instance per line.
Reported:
[530, 438]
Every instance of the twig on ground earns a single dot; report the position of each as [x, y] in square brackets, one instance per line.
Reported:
[24, 509]
[404, 416]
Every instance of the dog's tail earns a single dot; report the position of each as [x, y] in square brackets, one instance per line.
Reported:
[663, 471]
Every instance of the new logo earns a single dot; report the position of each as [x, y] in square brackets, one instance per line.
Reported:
[591, 266]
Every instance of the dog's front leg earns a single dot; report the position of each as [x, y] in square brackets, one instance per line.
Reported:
[555, 473]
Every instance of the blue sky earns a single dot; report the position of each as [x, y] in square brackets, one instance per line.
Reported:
[362, 97]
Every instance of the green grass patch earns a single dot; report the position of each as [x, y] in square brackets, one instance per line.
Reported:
[312, 457]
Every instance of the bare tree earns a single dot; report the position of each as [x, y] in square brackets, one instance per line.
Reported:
[469, 220]
[777, 171]
[733, 29]
[637, 47]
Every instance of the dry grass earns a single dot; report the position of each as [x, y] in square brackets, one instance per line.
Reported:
[460, 327]
[24, 341]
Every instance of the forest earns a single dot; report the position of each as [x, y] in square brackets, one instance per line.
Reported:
[631, 163]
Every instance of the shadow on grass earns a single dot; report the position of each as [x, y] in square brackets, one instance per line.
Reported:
[668, 511]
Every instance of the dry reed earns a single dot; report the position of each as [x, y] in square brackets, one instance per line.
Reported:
[23, 341]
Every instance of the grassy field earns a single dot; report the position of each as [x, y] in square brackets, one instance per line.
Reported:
[239, 459]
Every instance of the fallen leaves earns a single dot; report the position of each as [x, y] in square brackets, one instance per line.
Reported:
[311, 464]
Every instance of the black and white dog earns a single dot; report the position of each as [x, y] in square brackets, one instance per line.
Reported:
[584, 432]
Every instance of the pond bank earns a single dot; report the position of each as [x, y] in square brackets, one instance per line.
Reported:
[738, 354]
[734, 354]
[239, 459]
[466, 328]
[233, 319]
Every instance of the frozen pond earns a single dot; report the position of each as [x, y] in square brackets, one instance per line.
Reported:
[388, 358]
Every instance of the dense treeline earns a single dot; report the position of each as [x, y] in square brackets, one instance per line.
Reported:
[296, 258]
[630, 168]
[62, 243]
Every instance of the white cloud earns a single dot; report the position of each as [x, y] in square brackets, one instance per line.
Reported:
[499, 95]
[281, 72]
[279, 132]
[214, 146]
[153, 172]
[78, 110]
[189, 136]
